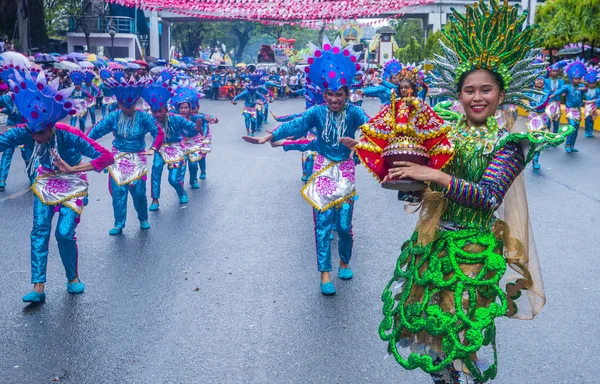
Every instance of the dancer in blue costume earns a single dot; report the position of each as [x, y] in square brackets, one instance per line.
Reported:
[61, 186]
[79, 93]
[553, 83]
[591, 100]
[187, 103]
[538, 100]
[250, 95]
[405, 80]
[304, 144]
[109, 102]
[157, 94]
[574, 91]
[94, 92]
[8, 107]
[129, 128]
[330, 189]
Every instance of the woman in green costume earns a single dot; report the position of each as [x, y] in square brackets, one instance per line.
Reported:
[464, 267]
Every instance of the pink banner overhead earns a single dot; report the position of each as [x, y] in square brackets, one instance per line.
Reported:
[298, 12]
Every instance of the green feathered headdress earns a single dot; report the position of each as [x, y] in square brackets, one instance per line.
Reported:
[488, 36]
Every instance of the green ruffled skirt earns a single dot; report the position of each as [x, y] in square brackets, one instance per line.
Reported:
[439, 308]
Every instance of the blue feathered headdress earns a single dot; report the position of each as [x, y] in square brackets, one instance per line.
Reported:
[89, 76]
[166, 75]
[157, 94]
[187, 92]
[331, 67]
[77, 77]
[575, 69]
[313, 96]
[559, 65]
[40, 103]
[126, 92]
[391, 68]
[118, 74]
[105, 74]
[592, 76]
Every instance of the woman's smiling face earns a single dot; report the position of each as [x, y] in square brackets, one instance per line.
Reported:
[480, 97]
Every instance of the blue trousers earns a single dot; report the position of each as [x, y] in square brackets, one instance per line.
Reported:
[340, 219]
[553, 125]
[137, 189]
[92, 113]
[65, 236]
[589, 125]
[81, 122]
[193, 167]
[176, 176]
[6, 161]
[573, 137]
[251, 122]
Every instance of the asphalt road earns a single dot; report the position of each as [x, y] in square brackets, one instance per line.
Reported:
[226, 289]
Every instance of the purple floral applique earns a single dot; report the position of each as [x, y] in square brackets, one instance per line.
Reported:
[325, 186]
[170, 151]
[348, 170]
[58, 186]
[126, 167]
[319, 160]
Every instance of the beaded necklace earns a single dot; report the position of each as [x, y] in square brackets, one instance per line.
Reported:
[335, 126]
[126, 125]
[474, 138]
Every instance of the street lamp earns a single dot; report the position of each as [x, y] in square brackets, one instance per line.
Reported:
[112, 33]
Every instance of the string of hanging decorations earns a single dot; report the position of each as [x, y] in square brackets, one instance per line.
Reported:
[304, 13]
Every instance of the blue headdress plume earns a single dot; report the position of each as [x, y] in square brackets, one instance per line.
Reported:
[575, 68]
[119, 75]
[126, 92]
[157, 94]
[105, 74]
[331, 67]
[8, 70]
[557, 66]
[313, 96]
[187, 92]
[391, 68]
[257, 79]
[166, 75]
[89, 76]
[592, 76]
[41, 104]
[77, 77]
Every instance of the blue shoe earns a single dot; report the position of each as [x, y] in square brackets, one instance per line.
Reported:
[304, 178]
[573, 149]
[183, 199]
[194, 184]
[345, 273]
[328, 288]
[252, 134]
[144, 225]
[2, 185]
[75, 288]
[536, 166]
[203, 176]
[568, 149]
[115, 231]
[153, 207]
[34, 297]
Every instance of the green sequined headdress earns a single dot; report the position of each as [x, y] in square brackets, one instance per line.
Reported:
[490, 36]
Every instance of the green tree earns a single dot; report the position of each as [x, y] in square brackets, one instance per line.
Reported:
[569, 21]
[411, 52]
[407, 29]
